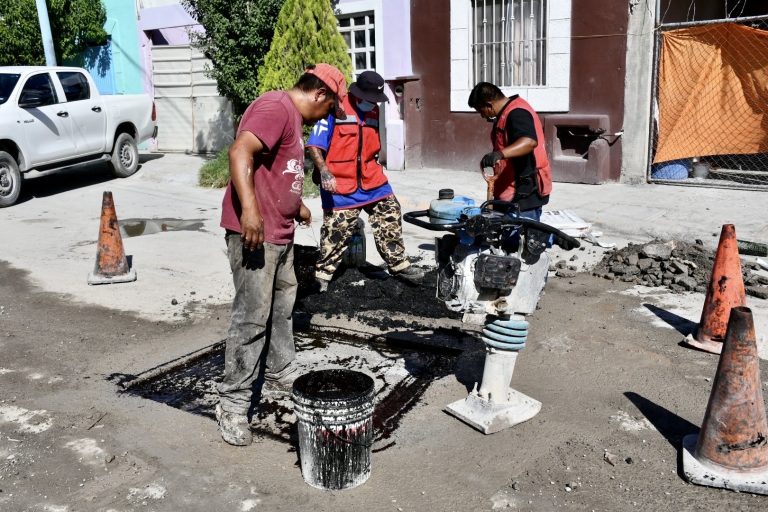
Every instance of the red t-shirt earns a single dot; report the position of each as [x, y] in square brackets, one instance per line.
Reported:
[278, 177]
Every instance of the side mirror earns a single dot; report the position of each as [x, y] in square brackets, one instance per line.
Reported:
[29, 100]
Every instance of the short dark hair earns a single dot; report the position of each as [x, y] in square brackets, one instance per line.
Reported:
[484, 93]
[308, 82]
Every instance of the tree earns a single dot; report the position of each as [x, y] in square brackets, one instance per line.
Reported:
[305, 33]
[236, 38]
[75, 25]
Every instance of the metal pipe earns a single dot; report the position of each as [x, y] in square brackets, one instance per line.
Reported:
[45, 31]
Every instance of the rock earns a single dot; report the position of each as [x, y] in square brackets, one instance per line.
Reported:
[561, 264]
[679, 267]
[629, 460]
[109, 458]
[565, 273]
[676, 288]
[619, 269]
[687, 282]
[610, 275]
[568, 488]
[610, 458]
[760, 292]
[701, 289]
[174, 302]
[573, 268]
[574, 258]
[644, 264]
[699, 241]
[632, 259]
[656, 251]
[515, 485]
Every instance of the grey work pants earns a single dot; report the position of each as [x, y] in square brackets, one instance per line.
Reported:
[265, 284]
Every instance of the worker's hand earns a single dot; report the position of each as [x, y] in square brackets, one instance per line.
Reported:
[490, 159]
[252, 229]
[304, 216]
[327, 181]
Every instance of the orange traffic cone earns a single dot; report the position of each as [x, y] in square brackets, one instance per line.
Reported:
[111, 263]
[731, 450]
[725, 291]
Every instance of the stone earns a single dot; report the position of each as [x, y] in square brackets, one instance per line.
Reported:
[757, 291]
[687, 282]
[656, 251]
[565, 273]
[679, 267]
[619, 269]
[574, 258]
[174, 302]
[610, 458]
[561, 264]
[644, 264]
[632, 259]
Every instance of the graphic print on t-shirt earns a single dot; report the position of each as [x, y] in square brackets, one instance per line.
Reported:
[297, 169]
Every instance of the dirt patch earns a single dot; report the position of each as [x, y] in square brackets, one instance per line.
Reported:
[367, 288]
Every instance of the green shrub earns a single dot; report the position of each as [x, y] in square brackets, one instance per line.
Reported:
[215, 174]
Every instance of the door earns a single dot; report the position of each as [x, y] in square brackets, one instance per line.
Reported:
[86, 114]
[46, 123]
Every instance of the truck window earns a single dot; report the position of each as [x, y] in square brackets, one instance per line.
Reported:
[75, 85]
[38, 92]
[7, 83]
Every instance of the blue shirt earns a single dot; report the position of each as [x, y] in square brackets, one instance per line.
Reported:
[321, 136]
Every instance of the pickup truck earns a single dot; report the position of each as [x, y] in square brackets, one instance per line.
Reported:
[54, 117]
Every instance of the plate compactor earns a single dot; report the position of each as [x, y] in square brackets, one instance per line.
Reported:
[492, 267]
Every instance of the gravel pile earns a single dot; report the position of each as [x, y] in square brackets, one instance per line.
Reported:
[676, 264]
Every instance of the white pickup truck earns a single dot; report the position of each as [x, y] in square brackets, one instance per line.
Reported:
[54, 117]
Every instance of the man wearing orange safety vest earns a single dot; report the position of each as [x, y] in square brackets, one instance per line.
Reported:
[345, 153]
[519, 159]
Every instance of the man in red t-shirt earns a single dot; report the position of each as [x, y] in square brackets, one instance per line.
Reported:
[261, 203]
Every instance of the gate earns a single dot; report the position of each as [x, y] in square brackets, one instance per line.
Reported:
[710, 104]
[191, 115]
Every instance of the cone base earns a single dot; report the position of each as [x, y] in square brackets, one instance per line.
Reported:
[713, 347]
[489, 417]
[128, 277]
[700, 474]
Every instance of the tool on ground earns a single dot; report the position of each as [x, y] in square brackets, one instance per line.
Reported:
[725, 291]
[492, 267]
[111, 263]
[731, 449]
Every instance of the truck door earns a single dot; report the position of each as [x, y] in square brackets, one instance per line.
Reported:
[46, 123]
[85, 112]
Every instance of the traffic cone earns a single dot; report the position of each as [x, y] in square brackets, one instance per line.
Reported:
[731, 449]
[725, 291]
[111, 263]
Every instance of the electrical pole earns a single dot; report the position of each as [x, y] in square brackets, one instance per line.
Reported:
[45, 30]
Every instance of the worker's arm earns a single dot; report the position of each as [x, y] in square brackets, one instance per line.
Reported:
[304, 216]
[520, 147]
[241, 173]
[327, 181]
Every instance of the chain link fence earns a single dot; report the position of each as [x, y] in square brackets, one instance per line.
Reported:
[710, 104]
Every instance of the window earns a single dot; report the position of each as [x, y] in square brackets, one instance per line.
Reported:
[7, 83]
[75, 85]
[509, 42]
[359, 33]
[523, 46]
[38, 92]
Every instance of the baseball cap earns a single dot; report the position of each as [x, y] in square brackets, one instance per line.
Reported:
[334, 79]
[370, 87]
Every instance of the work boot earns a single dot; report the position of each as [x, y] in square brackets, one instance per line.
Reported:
[234, 428]
[410, 275]
[279, 388]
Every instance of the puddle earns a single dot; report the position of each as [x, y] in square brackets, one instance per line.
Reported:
[401, 377]
[140, 227]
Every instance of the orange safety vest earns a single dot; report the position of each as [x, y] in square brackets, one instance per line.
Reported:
[504, 188]
[354, 150]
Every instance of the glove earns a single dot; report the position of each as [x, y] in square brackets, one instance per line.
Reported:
[490, 159]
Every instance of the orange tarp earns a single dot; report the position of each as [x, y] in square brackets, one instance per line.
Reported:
[713, 92]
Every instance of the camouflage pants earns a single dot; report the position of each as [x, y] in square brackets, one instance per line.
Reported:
[385, 219]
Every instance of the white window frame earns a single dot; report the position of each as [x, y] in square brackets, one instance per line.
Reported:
[353, 50]
[552, 97]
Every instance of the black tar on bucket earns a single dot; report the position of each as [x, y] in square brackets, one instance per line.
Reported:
[334, 409]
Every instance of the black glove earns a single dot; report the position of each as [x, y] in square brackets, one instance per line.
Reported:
[490, 159]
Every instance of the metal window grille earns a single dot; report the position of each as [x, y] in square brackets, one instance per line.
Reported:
[714, 170]
[509, 42]
[359, 32]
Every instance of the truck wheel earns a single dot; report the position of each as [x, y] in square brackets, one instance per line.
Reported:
[125, 156]
[10, 180]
